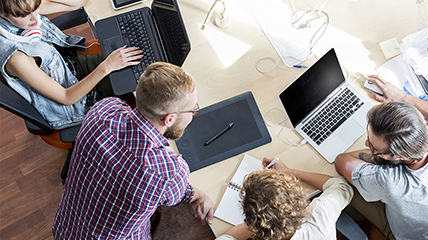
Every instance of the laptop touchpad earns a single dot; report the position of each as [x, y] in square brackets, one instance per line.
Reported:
[349, 132]
[112, 44]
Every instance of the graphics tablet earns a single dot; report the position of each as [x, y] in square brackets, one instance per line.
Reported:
[248, 131]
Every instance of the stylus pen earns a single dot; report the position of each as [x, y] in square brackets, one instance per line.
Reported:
[229, 126]
[272, 163]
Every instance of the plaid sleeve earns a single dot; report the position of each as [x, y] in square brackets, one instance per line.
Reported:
[190, 192]
[178, 189]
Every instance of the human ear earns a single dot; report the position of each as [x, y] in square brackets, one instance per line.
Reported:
[398, 157]
[169, 120]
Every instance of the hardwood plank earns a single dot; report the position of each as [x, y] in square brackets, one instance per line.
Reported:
[9, 191]
[42, 230]
[8, 122]
[22, 224]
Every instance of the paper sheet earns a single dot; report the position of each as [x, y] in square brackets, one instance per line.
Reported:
[229, 209]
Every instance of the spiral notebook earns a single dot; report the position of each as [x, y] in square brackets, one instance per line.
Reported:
[230, 209]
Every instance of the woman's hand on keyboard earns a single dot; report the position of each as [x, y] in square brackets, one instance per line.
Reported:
[122, 57]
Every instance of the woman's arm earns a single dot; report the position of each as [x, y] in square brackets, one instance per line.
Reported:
[240, 232]
[316, 180]
[24, 67]
[54, 6]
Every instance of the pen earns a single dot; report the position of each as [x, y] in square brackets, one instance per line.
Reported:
[272, 163]
[299, 66]
[229, 126]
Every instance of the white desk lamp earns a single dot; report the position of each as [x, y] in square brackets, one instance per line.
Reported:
[299, 52]
[221, 20]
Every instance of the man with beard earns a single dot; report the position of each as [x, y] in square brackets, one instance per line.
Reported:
[391, 177]
[121, 169]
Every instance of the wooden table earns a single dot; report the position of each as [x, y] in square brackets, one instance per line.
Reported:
[222, 61]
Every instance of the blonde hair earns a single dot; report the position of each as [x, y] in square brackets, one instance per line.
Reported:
[18, 8]
[274, 204]
[162, 87]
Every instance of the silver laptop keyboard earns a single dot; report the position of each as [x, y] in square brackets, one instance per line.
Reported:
[327, 120]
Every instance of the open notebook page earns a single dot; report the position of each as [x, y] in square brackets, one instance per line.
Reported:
[229, 209]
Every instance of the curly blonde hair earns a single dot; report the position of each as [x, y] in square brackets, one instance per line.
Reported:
[274, 204]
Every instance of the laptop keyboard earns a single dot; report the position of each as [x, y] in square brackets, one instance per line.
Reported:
[135, 35]
[327, 120]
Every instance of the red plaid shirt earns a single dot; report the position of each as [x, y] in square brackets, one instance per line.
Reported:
[120, 172]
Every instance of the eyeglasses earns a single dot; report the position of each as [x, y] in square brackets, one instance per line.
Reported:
[372, 148]
[193, 112]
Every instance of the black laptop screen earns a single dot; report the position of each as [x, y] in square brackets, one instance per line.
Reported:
[312, 87]
[171, 30]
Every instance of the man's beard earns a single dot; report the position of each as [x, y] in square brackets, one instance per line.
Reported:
[174, 132]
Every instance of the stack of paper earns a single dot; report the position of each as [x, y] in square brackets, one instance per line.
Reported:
[415, 52]
[404, 69]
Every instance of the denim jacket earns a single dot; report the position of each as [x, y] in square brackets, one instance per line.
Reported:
[57, 115]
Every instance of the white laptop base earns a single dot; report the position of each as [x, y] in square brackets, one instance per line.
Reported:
[345, 135]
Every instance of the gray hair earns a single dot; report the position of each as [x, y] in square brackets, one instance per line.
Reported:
[402, 126]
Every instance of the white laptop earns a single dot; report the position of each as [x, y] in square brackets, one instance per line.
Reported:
[329, 113]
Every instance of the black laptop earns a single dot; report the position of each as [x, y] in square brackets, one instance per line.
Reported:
[159, 31]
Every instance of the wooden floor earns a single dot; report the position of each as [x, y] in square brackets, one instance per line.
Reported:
[30, 183]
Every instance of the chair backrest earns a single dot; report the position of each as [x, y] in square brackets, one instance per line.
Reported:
[16, 104]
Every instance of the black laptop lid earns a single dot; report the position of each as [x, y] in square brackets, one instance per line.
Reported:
[312, 87]
[171, 30]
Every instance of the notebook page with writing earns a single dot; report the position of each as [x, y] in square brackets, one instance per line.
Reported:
[229, 209]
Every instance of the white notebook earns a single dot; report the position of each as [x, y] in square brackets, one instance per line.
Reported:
[230, 209]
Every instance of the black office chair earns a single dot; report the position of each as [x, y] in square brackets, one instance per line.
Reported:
[35, 123]
[349, 228]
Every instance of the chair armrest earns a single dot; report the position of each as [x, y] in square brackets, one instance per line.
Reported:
[69, 134]
[350, 229]
[71, 19]
[16, 104]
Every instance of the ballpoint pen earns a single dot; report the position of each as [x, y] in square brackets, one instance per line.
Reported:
[272, 163]
[229, 126]
[299, 66]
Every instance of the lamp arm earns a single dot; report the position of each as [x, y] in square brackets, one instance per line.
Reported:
[223, 11]
[209, 14]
